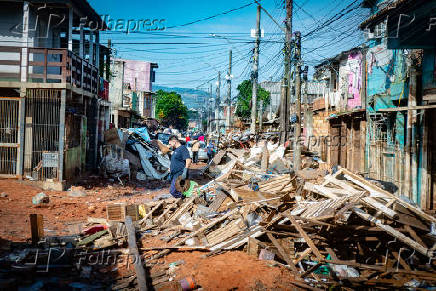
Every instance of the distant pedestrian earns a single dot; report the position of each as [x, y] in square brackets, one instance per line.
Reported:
[180, 162]
[210, 151]
[195, 149]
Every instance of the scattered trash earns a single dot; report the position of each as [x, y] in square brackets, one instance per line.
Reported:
[266, 255]
[75, 191]
[187, 284]
[40, 198]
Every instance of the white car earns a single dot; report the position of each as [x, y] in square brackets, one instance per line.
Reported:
[202, 152]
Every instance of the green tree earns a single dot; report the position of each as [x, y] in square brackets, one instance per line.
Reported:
[170, 109]
[244, 99]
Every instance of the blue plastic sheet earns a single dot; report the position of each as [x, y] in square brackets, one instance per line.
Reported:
[142, 132]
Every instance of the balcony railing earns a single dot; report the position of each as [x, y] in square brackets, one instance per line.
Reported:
[48, 65]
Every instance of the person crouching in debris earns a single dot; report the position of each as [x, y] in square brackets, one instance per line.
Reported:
[180, 162]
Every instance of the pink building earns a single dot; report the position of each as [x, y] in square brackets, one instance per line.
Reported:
[131, 91]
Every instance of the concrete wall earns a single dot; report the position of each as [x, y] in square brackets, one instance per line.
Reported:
[139, 73]
[116, 84]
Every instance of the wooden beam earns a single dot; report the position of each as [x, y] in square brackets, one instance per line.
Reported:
[305, 236]
[395, 233]
[303, 254]
[133, 251]
[149, 214]
[36, 227]
[401, 261]
[376, 190]
[414, 235]
[405, 108]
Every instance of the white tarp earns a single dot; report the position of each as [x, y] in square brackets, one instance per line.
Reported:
[146, 165]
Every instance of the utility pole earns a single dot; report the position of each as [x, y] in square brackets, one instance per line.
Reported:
[217, 104]
[260, 116]
[306, 102]
[297, 144]
[255, 74]
[285, 96]
[210, 109]
[229, 92]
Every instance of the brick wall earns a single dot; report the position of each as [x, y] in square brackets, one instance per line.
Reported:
[320, 130]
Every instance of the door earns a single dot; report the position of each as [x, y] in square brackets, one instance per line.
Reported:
[9, 136]
[432, 159]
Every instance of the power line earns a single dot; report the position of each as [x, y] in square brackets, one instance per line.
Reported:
[211, 17]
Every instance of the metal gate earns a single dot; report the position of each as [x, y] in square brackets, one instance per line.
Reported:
[9, 136]
[41, 135]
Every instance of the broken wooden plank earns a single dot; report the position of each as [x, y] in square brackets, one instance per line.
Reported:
[395, 233]
[371, 202]
[414, 235]
[321, 190]
[305, 236]
[97, 220]
[133, 251]
[183, 248]
[150, 213]
[180, 211]
[401, 261]
[305, 253]
[216, 203]
[195, 233]
[373, 189]
[238, 240]
[282, 252]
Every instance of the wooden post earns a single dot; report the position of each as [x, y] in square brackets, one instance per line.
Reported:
[21, 132]
[62, 135]
[24, 41]
[133, 251]
[97, 53]
[36, 227]
[82, 42]
[91, 50]
[425, 187]
[410, 121]
[70, 28]
[108, 60]
[414, 146]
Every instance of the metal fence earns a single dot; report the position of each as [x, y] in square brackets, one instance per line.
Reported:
[9, 129]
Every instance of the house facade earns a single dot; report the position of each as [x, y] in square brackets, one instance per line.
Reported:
[337, 120]
[401, 96]
[131, 92]
[53, 94]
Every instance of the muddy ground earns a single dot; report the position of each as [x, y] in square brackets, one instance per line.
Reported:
[65, 215]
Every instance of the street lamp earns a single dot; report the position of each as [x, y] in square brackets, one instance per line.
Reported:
[228, 77]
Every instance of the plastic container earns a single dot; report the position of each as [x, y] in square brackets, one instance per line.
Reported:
[187, 284]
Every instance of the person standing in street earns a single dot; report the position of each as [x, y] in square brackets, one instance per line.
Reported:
[195, 149]
[210, 151]
[180, 162]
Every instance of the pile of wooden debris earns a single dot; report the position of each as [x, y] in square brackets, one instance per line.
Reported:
[333, 230]
[343, 231]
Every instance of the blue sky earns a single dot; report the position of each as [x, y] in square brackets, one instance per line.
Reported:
[195, 62]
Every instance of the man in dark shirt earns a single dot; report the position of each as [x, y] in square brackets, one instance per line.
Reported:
[180, 161]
